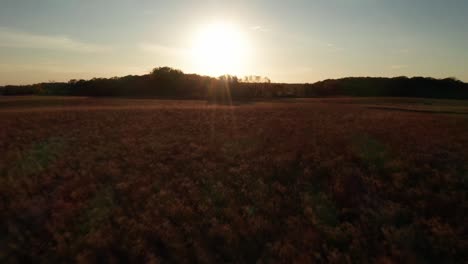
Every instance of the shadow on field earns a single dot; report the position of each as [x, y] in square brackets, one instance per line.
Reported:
[233, 103]
[416, 110]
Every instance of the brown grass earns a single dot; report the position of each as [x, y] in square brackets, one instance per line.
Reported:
[92, 180]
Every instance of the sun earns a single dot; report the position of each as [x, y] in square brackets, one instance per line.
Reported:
[220, 49]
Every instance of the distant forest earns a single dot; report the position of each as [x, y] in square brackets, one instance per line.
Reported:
[172, 83]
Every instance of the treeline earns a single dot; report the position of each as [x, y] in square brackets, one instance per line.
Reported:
[173, 83]
[450, 88]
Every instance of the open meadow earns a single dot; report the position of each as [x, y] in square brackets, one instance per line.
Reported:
[333, 180]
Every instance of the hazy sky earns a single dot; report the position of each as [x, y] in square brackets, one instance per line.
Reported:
[289, 41]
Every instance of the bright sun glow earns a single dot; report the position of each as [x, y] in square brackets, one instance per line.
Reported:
[220, 49]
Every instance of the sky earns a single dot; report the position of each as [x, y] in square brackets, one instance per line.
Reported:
[293, 41]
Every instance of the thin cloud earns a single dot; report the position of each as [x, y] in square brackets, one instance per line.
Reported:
[332, 47]
[402, 51]
[161, 49]
[260, 29]
[10, 38]
[42, 66]
[398, 67]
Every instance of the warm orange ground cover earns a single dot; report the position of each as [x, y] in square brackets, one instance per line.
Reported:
[184, 181]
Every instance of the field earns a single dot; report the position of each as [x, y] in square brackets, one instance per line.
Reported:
[335, 180]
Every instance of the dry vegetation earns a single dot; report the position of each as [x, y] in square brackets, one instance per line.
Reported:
[117, 180]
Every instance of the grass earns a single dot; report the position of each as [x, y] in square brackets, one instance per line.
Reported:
[300, 180]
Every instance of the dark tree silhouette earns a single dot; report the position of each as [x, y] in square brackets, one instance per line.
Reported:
[170, 82]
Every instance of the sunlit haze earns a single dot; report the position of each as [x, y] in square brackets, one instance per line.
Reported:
[219, 49]
[288, 41]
